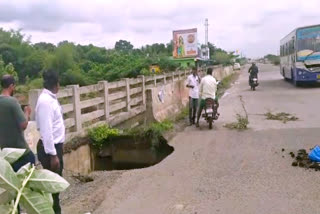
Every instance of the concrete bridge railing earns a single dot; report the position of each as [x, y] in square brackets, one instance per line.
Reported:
[106, 102]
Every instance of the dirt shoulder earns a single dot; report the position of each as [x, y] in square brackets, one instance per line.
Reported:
[83, 197]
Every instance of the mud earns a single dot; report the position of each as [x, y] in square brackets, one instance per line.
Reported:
[302, 160]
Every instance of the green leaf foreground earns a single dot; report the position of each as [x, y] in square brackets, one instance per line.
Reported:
[28, 187]
[8, 178]
[35, 202]
[5, 209]
[11, 155]
[47, 181]
[6, 196]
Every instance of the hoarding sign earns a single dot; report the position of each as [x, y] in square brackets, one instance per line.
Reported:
[185, 43]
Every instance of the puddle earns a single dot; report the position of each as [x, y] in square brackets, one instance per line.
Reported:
[128, 152]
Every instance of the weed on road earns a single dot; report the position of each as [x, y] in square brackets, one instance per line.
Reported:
[241, 124]
[282, 116]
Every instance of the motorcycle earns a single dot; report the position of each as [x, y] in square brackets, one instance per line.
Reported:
[210, 111]
[254, 83]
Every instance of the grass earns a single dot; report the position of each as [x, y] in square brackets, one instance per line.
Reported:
[242, 121]
[226, 83]
[153, 132]
[241, 124]
[282, 116]
[182, 115]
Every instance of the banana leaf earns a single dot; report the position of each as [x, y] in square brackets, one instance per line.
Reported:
[47, 181]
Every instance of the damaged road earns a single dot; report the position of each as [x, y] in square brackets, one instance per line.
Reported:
[228, 171]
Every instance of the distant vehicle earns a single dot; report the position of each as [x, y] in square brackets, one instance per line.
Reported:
[300, 55]
[236, 66]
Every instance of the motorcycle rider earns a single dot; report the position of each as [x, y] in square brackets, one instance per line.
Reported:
[253, 71]
[207, 89]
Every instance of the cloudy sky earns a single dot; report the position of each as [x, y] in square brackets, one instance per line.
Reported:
[251, 26]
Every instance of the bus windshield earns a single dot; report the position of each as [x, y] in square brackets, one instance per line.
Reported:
[308, 43]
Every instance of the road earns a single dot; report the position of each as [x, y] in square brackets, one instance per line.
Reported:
[229, 172]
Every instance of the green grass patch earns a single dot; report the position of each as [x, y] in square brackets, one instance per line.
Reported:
[241, 123]
[226, 84]
[100, 135]
[182, 115]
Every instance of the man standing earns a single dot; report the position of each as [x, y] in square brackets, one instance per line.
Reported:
[208, 89]
[193, 84]
[13, 121]
[50, 123]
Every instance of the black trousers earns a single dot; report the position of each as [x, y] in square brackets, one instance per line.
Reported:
[45, 162]
[26, 158]
[193, 105]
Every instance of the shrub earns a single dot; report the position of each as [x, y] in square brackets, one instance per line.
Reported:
[100, 135]
[35, 83]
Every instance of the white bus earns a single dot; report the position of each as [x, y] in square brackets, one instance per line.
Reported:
[300, 55]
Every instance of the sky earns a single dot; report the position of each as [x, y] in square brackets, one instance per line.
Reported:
[251, 26]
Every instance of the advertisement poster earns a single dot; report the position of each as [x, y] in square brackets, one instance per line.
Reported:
[185, 43]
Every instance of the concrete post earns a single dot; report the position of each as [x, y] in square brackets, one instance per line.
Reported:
[143, 83]
[128, 93]
[33, 98]
[76, 107]
[185, 74]
[179, 78]
[155, 80]
[173, 76]
[165, 79]
[106, 99]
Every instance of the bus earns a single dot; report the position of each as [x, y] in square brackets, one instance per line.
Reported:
[300, 55]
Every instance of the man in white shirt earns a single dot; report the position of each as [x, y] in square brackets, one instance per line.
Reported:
[207, 89]
[50, 124]
[193, 85]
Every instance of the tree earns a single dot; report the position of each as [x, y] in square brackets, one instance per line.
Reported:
[7, 69]
[45, 46]
[63, 59]
[123, 45]
[35, 63]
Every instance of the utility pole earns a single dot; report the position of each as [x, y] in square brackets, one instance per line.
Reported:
[207, 38]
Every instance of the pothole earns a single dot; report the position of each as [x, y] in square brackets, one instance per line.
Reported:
[131, 152]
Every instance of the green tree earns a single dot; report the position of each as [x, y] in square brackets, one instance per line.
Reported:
[45, 46]
[123, 45]
[35, 63]
[7, 69]
[63, 59]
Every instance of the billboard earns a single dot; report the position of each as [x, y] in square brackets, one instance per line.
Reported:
[185, 43]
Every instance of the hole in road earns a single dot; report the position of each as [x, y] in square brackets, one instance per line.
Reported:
[131, 152]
